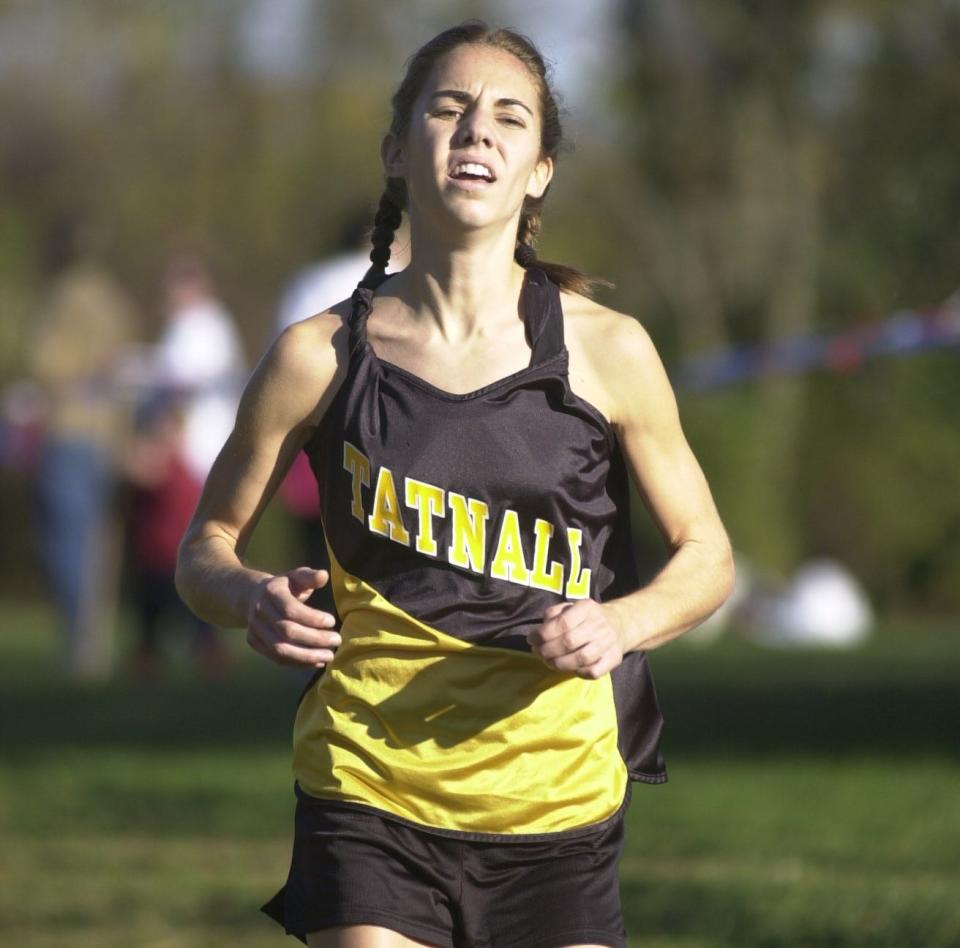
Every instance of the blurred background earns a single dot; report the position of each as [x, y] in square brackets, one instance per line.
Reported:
[773, 190]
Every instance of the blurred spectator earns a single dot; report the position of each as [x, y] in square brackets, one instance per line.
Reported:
[319, 285]
[163, 494]
[84, 326]
[199, 356]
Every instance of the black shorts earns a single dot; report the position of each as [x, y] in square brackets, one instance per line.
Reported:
[352, 866]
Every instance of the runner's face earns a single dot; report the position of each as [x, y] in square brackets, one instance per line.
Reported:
[472, 151]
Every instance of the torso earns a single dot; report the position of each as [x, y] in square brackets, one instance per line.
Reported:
[529, 508]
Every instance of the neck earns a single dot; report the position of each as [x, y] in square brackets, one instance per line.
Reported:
[464, 287]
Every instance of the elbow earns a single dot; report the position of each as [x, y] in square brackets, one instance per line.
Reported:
[726, 571]
[183, 577]
[181, 581]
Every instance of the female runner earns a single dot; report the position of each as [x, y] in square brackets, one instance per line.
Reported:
[464, 751]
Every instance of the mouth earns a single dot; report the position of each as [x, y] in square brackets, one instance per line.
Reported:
[473, 172]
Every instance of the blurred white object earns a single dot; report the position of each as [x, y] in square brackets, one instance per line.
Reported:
[320, 285]
[201, 355]
[822, 605]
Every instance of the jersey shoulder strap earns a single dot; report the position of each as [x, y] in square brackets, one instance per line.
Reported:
[543, 315]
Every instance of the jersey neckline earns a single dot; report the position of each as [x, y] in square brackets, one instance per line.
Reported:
[542, 315]
[431, 389]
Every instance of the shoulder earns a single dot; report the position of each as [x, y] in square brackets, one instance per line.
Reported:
[304, 365]
[313, 342]
[613, 361]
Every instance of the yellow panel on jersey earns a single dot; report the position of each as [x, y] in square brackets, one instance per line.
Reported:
[451, 735]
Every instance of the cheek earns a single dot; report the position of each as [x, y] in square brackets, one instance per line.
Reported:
[429, 155]
[527, 165]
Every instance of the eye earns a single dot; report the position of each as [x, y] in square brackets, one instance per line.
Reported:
[513, 120]
[456, 113]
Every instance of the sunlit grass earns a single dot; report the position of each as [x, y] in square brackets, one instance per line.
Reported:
[813, 799]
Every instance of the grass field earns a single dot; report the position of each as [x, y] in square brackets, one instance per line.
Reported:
[814, 799]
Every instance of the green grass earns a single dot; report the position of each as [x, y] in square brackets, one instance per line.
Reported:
[814, 799]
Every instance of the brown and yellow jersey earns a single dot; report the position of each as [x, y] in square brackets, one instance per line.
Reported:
[453, 522]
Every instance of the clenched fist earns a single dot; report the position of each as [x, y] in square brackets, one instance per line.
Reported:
[581, 637]
[282, 628]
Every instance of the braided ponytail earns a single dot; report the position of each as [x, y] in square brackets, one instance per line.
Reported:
[385, 223]
[525, 253]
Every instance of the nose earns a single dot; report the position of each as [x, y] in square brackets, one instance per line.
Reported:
[476, 127]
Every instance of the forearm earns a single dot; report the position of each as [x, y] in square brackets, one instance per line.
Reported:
[695, 582]
[213, 581]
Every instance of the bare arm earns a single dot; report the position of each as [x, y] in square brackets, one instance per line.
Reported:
[699, 574]
[591, 638]
[285, 399]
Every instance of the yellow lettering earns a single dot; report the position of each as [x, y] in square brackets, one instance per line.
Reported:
[427, 500]
[543, 578]
[578, 585]
[385, 518]
[508, 562]
[469, 532]
[358, 466]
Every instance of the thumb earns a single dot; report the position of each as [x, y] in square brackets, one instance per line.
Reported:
[305, 579]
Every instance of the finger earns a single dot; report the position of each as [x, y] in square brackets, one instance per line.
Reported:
[266, 640]
[569, 641]
[280, 605]
[308, 638]
[576, 660]
[288, 654]
[540, 635]
[272, 627]
[607, 662]
[305, 579]
[562, 623]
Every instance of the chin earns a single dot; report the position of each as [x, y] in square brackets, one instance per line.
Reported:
[456, 212]
[474, 212]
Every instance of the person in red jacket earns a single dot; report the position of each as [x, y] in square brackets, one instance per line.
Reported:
[163, 494]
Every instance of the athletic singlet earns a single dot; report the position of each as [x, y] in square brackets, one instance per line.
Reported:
[453, 522]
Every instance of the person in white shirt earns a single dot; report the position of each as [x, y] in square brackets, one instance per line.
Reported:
[317, 286]
[199, 355]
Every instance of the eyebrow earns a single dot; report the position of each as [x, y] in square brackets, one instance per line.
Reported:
[460, 96]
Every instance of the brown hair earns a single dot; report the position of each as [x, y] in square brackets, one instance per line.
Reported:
[393, 201]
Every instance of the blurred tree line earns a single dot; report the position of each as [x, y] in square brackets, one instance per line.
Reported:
[744, 171]
[795, 171]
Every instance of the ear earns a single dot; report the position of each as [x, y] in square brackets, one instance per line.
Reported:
[393, 156]
[540, 177]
